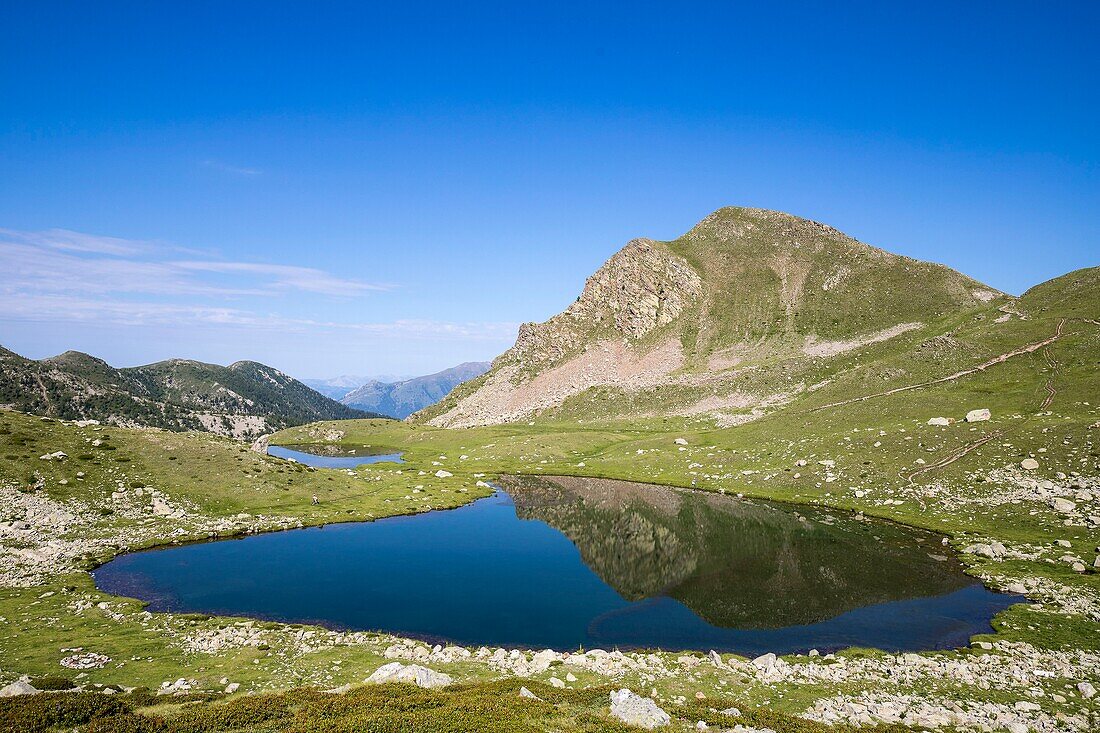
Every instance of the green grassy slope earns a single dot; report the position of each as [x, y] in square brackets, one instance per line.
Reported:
[869, 419]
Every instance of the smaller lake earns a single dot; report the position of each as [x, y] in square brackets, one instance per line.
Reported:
[569, 562]
[332, 456]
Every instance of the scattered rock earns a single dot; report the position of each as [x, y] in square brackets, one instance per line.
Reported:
[992, 550]
[86, 660]
[940, 421]
[1029, 464]
[680, 441]
[524, 692]
[443, 474]
[1086, 689]
[764, 661]
[637, 710]
[1065, 506]
[980, 415]
[414, 673]
[20, 687]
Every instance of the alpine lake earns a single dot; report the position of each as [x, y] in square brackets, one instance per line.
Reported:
[567, 563]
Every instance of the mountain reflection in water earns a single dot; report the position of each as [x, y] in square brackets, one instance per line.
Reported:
[569, 562]
[733, 562]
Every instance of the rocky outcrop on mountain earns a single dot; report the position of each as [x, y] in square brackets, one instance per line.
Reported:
[642, 287]
[243, 400]
[724, 321]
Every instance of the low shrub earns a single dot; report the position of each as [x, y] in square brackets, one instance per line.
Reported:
[52, 682]
[35, 713]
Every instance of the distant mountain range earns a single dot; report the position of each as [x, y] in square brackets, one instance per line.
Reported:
[402, 398]
[337, 387]
[243, 400]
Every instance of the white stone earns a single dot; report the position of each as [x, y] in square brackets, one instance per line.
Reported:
[764, 661]
[20, 687]
[979, 415]
[1065, 506]
[637, 710]
[1029, 464]
[939, 421]
[414, 673]
[443, 474]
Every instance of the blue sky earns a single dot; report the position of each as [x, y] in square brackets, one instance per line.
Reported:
[368, 188]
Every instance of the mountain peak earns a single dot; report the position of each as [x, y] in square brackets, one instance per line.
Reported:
[742, 287]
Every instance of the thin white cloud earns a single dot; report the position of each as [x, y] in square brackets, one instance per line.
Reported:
[62, 261]
[66, 240]
[287, 276]
[110, 312]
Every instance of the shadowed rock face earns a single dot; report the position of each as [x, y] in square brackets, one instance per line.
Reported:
[735, 563]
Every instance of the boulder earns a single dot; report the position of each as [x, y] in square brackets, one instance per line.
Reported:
[637, 710]
[993, 550]
[980, 415]
[680, 441]
[524, 692]
[1029, 464]
[764, 661]
[1062, 505]
[413, 673]
[1086, 689]
[20, 687]
[940, 421]
[443, 474]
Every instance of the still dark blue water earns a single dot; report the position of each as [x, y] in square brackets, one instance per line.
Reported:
[331, 456]
[563, 563]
